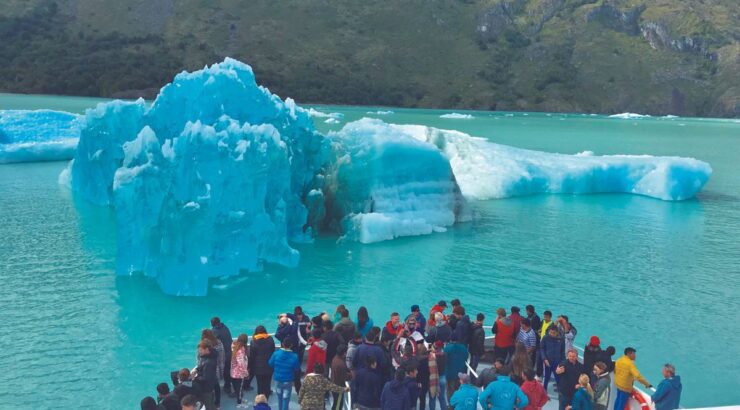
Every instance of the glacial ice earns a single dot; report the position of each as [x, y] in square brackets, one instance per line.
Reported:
[385, 184]
[486, 170]
[629, 116]
[457, 116]
[219, 175]
[41, 135]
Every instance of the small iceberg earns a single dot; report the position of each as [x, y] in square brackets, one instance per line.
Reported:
[629, 116]
[332, 121]
[457, 116]
[314, 113]
[380, 112]
[43, 135]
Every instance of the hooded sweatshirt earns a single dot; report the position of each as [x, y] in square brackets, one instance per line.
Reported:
[465, 398]
[668, 394]
[316, 354]
[395, 396]
[285, 364]
[503, 395]
[504, 331]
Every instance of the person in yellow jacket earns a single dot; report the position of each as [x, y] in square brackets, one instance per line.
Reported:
[625, 374]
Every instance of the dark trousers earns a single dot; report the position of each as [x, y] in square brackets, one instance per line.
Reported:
[227, 375]
[239, 386]
[550, 370]
[564, 401]
[474, 360]
[297, 375]
[263, 384]
[217, 394]
[423, 396]
[503, 353]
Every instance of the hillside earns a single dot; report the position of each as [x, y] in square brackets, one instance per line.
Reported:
[678, 57]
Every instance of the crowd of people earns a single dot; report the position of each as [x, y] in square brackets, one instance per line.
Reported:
[417, 362]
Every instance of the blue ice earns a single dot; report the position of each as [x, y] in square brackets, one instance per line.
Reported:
[42, 135]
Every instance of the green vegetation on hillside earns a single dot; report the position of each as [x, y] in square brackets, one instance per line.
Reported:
[653, 56]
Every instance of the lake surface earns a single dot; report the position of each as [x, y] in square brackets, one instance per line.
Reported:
[663, 277]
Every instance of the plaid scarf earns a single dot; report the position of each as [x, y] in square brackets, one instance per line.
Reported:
[433, 375]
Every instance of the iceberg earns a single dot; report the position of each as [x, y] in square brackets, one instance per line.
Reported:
[486, 170]
[386, 184]
[457, 116]
[629, 116]
[381, 112]
[42, 135]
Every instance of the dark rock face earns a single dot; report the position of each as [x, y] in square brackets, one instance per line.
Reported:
[660, 38]
[617, 20]
[493, 21]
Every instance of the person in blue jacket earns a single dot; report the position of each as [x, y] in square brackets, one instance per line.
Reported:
[284, 363]
[551, 352]
[668, 394]
[395, 395]
[466, 397]
[503, 394]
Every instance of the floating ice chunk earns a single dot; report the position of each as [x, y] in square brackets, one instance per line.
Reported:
[457, 116]
[381, 112]
[43, 135]
[387, 184]
[669, 117]
[332, 121]
[314, 113]
[486, 170]
[629, 116]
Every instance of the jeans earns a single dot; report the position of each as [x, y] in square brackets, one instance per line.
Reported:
[550, 370]
[283, 391]
[621, 400]
[239, 386]
[441, 395]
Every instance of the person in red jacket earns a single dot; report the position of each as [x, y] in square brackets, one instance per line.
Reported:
[439, 307]
[317, 351]
[535, 392]
[503, 328]
[392, 327]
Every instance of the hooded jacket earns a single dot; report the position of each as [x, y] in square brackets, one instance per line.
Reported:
[503, 395]
[503, 328]
[456, 354]
[602, 390]
[395, 396]
[463, 329]
[206, 377]
[440, 332]
[346, 328]
[465, 398]
[366, 349]
[316, 354]
[536, 395]
[552, 349]
[261, 348]
[366, 387]
[285, 364]
[477, 342]
[581, 400]
[625, 374]
[668, 394]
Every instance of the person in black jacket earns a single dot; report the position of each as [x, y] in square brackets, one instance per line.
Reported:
[167, 400]
[463, 327]
[205, 374]
[568, 372]
[476, 345]
[333, 339]
[223, 334]
[184, 384]
[261, 348]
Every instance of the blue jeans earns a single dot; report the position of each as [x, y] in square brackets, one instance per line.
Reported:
[550, 370]
[283, 390]
[441, 393]
[621, 400]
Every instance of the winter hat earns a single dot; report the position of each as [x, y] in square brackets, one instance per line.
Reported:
[414, 308]
[594, 341]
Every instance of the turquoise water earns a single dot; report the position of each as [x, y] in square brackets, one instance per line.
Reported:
[661, 276]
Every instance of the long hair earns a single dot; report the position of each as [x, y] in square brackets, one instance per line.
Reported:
[209, 335]
[362, 316]
[520, 361]
[583, 381]
[241, 342]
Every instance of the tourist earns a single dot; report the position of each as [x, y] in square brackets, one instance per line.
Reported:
[466, 397]
[602, 387]
[404, 347]
[261, 348]
[437, 378]
[223, 334]
[668, 394]
[206, 376]
[489, 374]
[534, 320]
[536, 394]
[551, 351]
[260, 402]
[345, 326]
[364, 322]
[441, 331]
[284, 362]
[148, 403]
[503, 394]
[583, 396]
[457, 355]
[184, 384]
[220, 348]
[516, 319]
[370, 348]
[519, 363]
[366, 385]
[567, 330]
[592, 353]
[544, 328]
[438, 308]
[315, 388]
[165, 399]
[412, 386]
[606, 357]
[503, 328]
[352, 350]
[528, 338]
[333, 340]
[395, 395]
[569, 372]
[338, 313]
[625, 374]
[392, 327]
[422, 373]
[239, 368]
[476, 345]
[288, 329]
[303, 322]
[421, 321]
[452, 319]
[463, 326]
[317, 352]
[339, 372]
[190, 402]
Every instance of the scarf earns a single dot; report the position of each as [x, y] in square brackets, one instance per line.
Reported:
[433, 375]
[260, 336]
